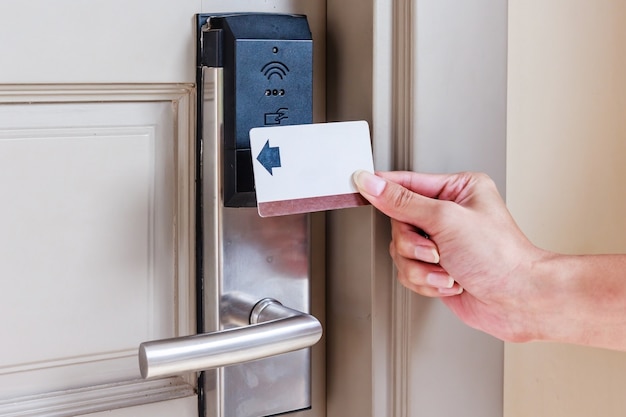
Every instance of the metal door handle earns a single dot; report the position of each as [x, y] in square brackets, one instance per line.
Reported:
[273, 329]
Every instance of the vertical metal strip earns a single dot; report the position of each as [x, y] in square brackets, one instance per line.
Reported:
[211, 154]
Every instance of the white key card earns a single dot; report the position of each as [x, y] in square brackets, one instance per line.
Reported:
[306, 168]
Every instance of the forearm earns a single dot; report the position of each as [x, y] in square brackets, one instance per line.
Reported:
[583, 299]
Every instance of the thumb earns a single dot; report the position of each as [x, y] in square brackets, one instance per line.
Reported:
[395, 200]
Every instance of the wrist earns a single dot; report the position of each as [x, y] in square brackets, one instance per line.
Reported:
[534, 296]
[580, 299]
[549, 298]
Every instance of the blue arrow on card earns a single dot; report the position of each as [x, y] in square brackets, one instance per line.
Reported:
[269, 157]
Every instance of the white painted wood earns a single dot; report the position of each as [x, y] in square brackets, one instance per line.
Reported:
[106, 397]
[565, 181]
[180, 407]
[97, 213]
[100, 41]
[82, 203]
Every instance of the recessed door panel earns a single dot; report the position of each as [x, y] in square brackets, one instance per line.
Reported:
[90, 198]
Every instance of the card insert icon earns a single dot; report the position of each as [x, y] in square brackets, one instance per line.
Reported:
[275, 118]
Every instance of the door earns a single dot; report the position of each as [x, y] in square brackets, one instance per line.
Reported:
[97, 161]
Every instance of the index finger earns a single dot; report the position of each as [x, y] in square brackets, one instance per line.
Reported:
[428, 185]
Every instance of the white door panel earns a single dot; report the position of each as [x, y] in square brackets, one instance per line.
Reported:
[95, 255]
[87, 206]
[97, 41]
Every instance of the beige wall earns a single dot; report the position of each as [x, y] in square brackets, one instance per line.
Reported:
[566, 175]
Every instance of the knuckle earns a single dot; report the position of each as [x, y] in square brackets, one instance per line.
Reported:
[480, 180]
[485, 180]
[401, 276]
[392, 249]
[401, 198]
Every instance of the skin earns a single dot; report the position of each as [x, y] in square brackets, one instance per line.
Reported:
[453, 238]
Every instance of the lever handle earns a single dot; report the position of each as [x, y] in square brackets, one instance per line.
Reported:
[273, 329]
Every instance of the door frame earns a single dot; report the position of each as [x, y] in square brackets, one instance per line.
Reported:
[375, 73]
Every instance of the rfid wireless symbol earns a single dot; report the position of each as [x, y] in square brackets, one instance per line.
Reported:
[275, 68]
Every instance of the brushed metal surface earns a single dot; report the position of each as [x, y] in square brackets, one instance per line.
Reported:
[273, 329]
[249, 257]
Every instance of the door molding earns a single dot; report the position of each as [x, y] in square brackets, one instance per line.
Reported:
[403, 102]
[430, 77]
[80, 93]
[449, 96]
[182, 97]
[99, 398]
[125, 393]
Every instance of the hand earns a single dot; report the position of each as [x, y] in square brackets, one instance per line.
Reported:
[453, 237]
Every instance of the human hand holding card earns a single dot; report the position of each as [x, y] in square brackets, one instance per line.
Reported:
[306, 168]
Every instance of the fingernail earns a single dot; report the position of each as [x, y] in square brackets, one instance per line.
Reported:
[427, 254]
[451, 291]
[439, 280]
[369, 183]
